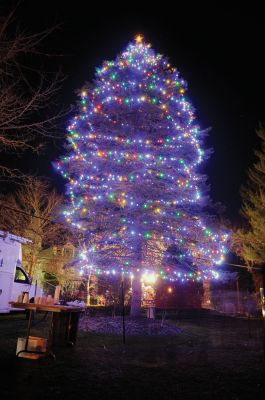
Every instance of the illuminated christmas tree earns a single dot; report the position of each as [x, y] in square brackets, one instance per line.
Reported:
[134, 189]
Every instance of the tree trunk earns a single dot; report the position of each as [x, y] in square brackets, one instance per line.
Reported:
[33, 260]
[136, 295]
[258, 279]
[137, 284]
[88, 289]
[207, 298]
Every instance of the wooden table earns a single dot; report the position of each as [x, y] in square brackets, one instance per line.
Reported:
[72, 316]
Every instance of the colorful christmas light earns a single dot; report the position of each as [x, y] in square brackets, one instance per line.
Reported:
[134, 151]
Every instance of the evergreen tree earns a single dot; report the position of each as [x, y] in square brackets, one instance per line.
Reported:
[132, 167]
[250, 241]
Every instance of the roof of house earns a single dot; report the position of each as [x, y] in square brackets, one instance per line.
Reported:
[15, 238]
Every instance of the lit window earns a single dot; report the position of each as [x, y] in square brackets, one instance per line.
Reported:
[68, 252]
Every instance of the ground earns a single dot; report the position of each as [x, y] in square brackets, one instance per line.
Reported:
[212, 357]
[132, 326]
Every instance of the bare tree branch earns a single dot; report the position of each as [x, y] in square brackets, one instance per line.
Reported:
[29, 114]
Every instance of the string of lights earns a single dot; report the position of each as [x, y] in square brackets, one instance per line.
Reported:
[132, 168]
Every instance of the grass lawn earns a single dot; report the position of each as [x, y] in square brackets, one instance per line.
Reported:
[213, 358]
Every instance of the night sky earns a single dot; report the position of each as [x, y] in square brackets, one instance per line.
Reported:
[218, 52]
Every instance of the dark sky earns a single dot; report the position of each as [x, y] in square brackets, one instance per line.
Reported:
[218, 52]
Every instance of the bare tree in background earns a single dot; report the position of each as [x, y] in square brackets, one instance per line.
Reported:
[32, 212]
[28, 110]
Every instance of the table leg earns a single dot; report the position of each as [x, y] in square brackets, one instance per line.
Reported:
[27, 341]
[69, 330]
[28, 329]
[50, 338]
[28, 334]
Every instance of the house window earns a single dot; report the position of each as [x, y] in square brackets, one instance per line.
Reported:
[58, 251]
[68, 251]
